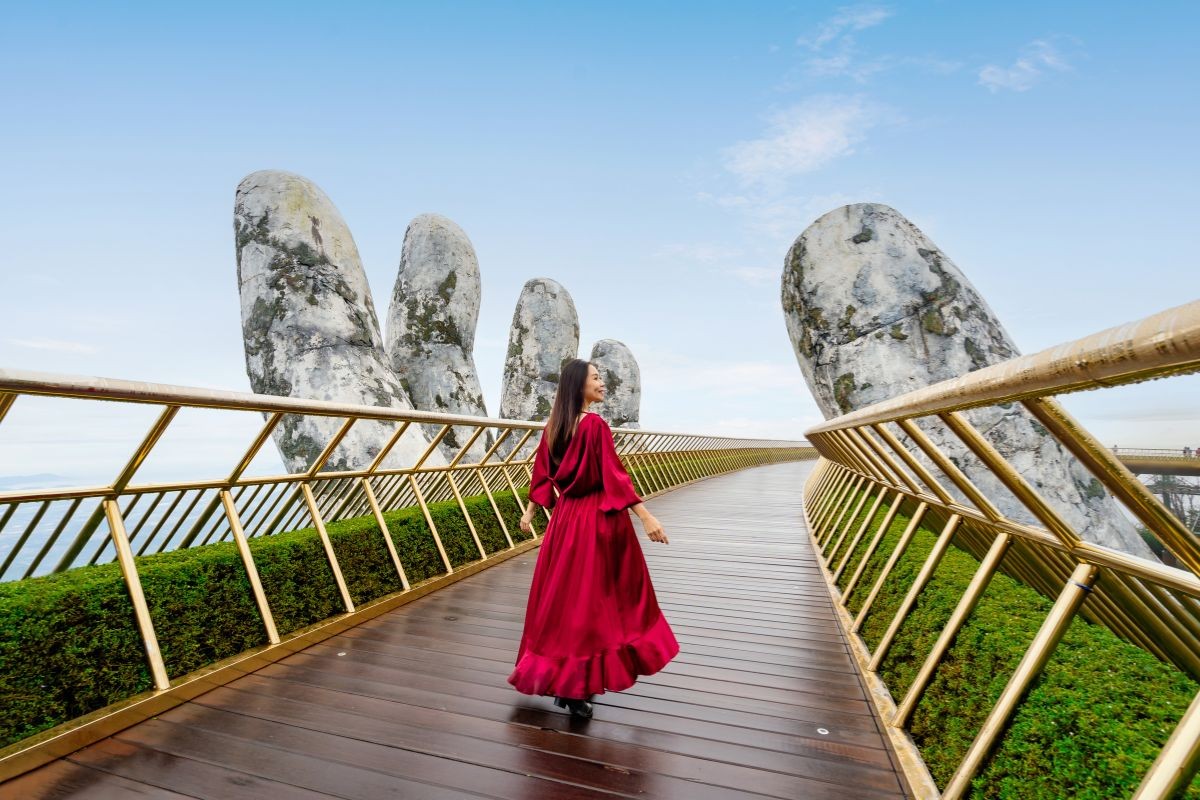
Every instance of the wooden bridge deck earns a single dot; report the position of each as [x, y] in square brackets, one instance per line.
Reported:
[762, 701]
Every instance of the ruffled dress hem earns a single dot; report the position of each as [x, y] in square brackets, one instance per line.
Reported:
[615, 669]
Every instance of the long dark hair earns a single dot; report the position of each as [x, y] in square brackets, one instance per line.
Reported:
[568, 402]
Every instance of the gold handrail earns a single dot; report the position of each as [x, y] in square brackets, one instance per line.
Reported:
[1151, 604]
[1167, 343]
[130, 518]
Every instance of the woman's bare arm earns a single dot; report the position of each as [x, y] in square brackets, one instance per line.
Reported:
[531, 508]
[653, 527]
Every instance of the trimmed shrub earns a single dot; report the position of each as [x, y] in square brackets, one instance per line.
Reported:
[1090, 726]
[69, 643]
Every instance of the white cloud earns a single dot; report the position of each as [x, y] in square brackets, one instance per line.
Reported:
[803, 138]
[53, 345]
[846, 20]
[1037, 57]
[834, 52]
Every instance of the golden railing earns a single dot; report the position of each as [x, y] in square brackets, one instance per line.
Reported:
[1176, 464]
[880, 455]
[50, 530]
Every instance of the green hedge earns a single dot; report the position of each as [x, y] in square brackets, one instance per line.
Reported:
[69, 643]
[1091, 725]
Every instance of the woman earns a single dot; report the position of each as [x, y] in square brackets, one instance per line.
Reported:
[592, 623]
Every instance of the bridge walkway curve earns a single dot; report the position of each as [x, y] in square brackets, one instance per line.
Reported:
[763, 701]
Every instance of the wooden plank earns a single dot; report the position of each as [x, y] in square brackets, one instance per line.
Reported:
[188, 776]
[66, 779]
[763, 700]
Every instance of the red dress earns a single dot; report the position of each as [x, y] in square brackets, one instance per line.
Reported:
[592, 623]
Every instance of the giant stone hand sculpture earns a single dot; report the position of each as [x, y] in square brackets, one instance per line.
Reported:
[308, 323]
[310, 330]
[874, 309]
[544, 336]
[431, 327]
[623, 379]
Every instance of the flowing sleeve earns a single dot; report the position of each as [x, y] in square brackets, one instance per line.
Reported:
[541, 491]
[619, 493]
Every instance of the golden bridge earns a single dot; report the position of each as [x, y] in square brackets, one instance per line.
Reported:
[857, 618]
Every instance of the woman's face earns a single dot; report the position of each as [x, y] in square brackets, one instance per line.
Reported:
[593, 387]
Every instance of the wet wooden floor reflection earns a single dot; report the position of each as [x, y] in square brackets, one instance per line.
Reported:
[762, 701]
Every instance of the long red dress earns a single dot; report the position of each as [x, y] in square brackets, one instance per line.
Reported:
[592, 623]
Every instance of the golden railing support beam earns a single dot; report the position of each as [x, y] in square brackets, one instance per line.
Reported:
[141, 611]
[966, 604]
[319, 524]
[383, 529]
[260, 597]
[1035, 658]
[1175, 767]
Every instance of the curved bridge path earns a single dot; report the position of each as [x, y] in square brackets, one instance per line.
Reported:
[763, 701]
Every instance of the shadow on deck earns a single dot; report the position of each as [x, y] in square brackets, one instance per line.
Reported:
[763, 700]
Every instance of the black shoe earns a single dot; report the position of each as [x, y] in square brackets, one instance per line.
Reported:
[578, 708]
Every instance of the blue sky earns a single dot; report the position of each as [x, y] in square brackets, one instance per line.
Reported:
[655, 158]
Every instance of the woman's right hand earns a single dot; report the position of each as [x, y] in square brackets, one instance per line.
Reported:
[527, 521]
[654, 529]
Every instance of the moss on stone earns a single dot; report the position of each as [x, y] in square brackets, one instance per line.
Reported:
[446, 287]
[843, 386]
[931, 321]
[1092, 490]
[426, 323]
[975, 353]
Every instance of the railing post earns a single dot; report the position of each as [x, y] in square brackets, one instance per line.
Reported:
[466, 515]
[429, 521]
[377, 512]
[901, 546]
[141, 611]
[850, 522]
[966, 604]
[862, 529]
[1035, 658]
[1176, 765]
[260, 597]
[844, 504]
[918, 585]
[884, 527]
[319, 524]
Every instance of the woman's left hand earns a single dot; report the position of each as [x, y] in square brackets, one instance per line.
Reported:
[527, 521]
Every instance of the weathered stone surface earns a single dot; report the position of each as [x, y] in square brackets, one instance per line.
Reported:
[619, 369]
[874, 309]
[431, 328]
[308, 323]
[543, 337]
